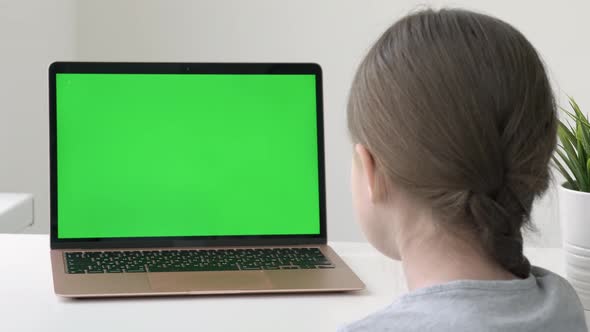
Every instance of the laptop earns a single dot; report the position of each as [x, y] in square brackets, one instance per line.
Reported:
[189, 178]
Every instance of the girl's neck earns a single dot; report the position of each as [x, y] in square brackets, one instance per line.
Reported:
[434, 256]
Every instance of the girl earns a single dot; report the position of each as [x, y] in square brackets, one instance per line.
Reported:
[454, 123]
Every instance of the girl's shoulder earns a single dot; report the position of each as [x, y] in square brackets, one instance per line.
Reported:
[542, 302]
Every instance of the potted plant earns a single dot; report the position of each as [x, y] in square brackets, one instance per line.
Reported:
[573, 162]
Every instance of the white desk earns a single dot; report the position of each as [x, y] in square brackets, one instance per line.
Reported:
[27, 302]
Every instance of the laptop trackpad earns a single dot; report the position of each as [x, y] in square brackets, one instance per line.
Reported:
[208, 281]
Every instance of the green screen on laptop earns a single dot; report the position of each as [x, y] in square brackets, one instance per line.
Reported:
[143, 155]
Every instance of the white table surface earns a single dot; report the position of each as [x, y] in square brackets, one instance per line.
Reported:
[27, 301]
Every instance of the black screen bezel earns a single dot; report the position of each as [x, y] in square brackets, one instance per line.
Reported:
[183, 68]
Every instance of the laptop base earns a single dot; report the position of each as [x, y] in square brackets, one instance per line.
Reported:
[339, 278]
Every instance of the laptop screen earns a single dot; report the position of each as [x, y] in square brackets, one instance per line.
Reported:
[156, 155]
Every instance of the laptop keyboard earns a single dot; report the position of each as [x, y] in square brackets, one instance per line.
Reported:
[195, 260]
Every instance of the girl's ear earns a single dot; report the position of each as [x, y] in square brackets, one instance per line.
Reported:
[367, 163]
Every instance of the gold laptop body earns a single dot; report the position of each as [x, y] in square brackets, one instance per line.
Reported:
[189, 178]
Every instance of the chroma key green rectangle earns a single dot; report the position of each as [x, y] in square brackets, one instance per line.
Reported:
[142, 155]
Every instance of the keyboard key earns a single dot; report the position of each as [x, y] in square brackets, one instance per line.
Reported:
[269, 267]
[76, 270]
[95, 270]
[307, 266]
[322, 262]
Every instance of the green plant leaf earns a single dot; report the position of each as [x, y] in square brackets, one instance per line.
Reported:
[582, 162]
[568, 141]
[583, 136]
[570, 157]
[569, 114]
[574, 149]
[567, 132]
[575, 117]
[573, 168]
[565, 173]
[579, 114]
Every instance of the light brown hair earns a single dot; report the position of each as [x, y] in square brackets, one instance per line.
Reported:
[457, 110]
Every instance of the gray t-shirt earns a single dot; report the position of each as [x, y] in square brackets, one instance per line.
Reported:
[542, 302]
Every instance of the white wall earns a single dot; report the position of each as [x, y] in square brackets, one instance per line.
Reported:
[33, 33]
[334, 33]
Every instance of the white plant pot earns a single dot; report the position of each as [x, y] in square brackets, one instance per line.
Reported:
[574, 215]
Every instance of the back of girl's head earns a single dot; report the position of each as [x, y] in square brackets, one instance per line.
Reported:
[457, 110]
